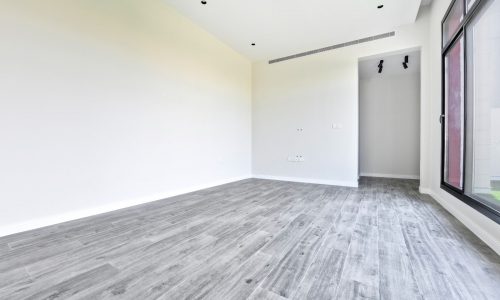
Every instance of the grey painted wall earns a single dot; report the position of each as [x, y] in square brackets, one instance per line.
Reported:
[389, 125]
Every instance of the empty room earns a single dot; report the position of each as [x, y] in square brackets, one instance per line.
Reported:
[188, 149]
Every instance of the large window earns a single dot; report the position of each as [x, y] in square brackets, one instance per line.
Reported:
[471, 104]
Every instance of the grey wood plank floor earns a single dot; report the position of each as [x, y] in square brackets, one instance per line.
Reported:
[258, 239]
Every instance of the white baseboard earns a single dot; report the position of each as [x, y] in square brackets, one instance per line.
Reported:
[397, 176]
[309, 180]
[424, 190]
[484, 235]
[74, 215]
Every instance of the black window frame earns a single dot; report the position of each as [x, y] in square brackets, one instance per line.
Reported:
[461, 31]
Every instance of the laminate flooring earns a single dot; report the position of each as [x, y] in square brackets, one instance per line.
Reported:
[258, 239]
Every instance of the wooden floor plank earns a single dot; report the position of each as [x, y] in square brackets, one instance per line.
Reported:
[361, 266]
[287, 275]
[323, 276]
[262, 294]
[395, 268]
[13, 276]
[241, 283]
[258, 239]
[209, 276]
[74, 285]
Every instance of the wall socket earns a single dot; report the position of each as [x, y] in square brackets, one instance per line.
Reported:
[296, 158]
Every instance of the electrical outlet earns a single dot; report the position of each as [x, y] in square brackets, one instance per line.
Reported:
[296, 158]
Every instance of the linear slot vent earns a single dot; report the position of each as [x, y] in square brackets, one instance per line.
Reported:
[355, 42]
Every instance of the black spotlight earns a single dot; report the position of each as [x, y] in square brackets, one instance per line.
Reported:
[405, 63]
[203, 2]
[380, 6]
[380, 66]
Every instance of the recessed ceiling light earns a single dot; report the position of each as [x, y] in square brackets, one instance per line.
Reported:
[203, 2]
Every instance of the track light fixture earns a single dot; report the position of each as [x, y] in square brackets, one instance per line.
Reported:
[380, 66]
[405, 63]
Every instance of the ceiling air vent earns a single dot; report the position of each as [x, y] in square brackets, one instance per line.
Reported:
[355, 42]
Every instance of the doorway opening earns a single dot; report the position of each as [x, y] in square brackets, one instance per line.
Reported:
[389, 115]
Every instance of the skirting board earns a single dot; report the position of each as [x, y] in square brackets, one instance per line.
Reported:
[309, 180]
[397, 176]
[74, 215]
[485, 236]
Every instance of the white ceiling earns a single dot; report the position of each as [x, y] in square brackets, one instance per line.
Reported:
[284, 27]
[393, 64]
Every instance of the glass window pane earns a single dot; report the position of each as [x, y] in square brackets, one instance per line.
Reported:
[452, 22]
[483, 91]
[454, 112]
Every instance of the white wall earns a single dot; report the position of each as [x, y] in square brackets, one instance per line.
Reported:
[313, 93]
[290, 94]
[308, 95]
[105, 104]
[389, 133]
